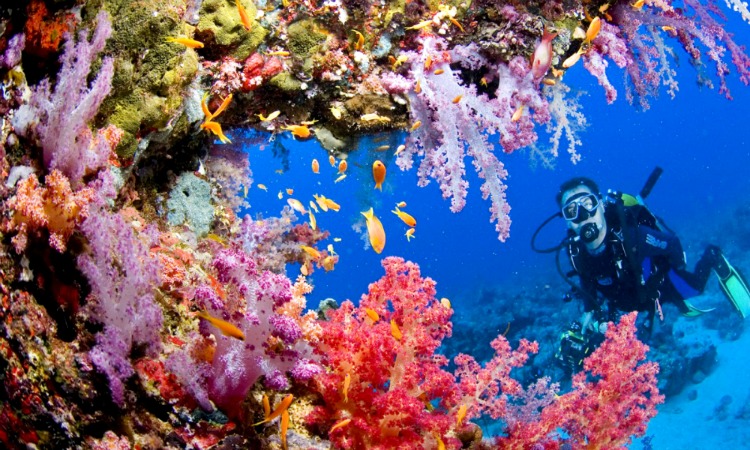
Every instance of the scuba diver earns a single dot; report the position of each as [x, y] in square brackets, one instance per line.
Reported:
[628, 260]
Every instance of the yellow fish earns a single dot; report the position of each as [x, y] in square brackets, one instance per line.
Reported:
[375, 231]
[296, 205]
[313, 252]
[187, 42]
[409, 234]
[405, 217]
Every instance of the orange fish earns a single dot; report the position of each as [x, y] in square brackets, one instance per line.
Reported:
[375, 231]
[187, 42]
[330, 204]
[405, 217]
[409, 234]
[285, 427]
[299, 131]
[313, 252]
[215, 128]
[332, 160]
[593, 30]
[342, 166]
[339, 424]
[279, 409]
[378, 174]
[395, 331]
[244, 18]
[315, 166]
[226, 328]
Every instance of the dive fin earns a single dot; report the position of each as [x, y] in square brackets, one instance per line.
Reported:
[736, 289]
[693, 311]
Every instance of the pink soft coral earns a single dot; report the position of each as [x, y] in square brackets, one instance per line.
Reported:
[612, 399]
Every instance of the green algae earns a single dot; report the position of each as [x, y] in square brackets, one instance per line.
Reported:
[220, 25]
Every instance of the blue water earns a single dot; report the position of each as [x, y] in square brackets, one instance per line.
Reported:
[698, 138]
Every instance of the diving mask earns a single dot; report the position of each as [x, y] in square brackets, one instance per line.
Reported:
[580, 207]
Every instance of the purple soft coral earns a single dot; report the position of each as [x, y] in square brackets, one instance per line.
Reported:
[60, 119]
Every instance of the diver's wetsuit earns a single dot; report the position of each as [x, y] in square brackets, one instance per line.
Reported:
[616, 273]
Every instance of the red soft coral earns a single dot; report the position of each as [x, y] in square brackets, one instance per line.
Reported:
[391, 379]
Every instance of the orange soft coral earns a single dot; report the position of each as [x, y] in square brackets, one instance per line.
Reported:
[44, 32]
[53, 207]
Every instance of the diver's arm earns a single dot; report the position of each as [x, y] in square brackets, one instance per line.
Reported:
[653, 242]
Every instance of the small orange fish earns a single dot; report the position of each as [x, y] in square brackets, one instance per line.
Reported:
[401, 204]
[395, 331]
[263, 187]
[266, 406]
[345, 389]
[360, 40]
[187, 42]
[372, 314]
[299, 131]
[313, 252]
[416, 125]
[517, 114]
[330, 204]
[315, 166]
[244, 18]
[400, 149]
[593, 30]
[457, 98]
[226, 328]
[215, 128]
[313, 222]
[342, 166]
[571, 60]
[339, 424]
[222, 107]
[328, 263]
[418, 87]
[638, 5]
[320, 200]
[285, 427]
[409, 234]
[270, 117]
[375, 231]
[378, 174]
[332, 160]
[439, 72]
[440, 443]
[405, 217]
[460, 416]
[456, 23]
[279, 410]
[289, 191]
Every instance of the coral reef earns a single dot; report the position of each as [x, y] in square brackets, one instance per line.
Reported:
[137, 310]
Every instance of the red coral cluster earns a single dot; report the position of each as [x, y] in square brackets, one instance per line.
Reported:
[257, 70]
[397, 394]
